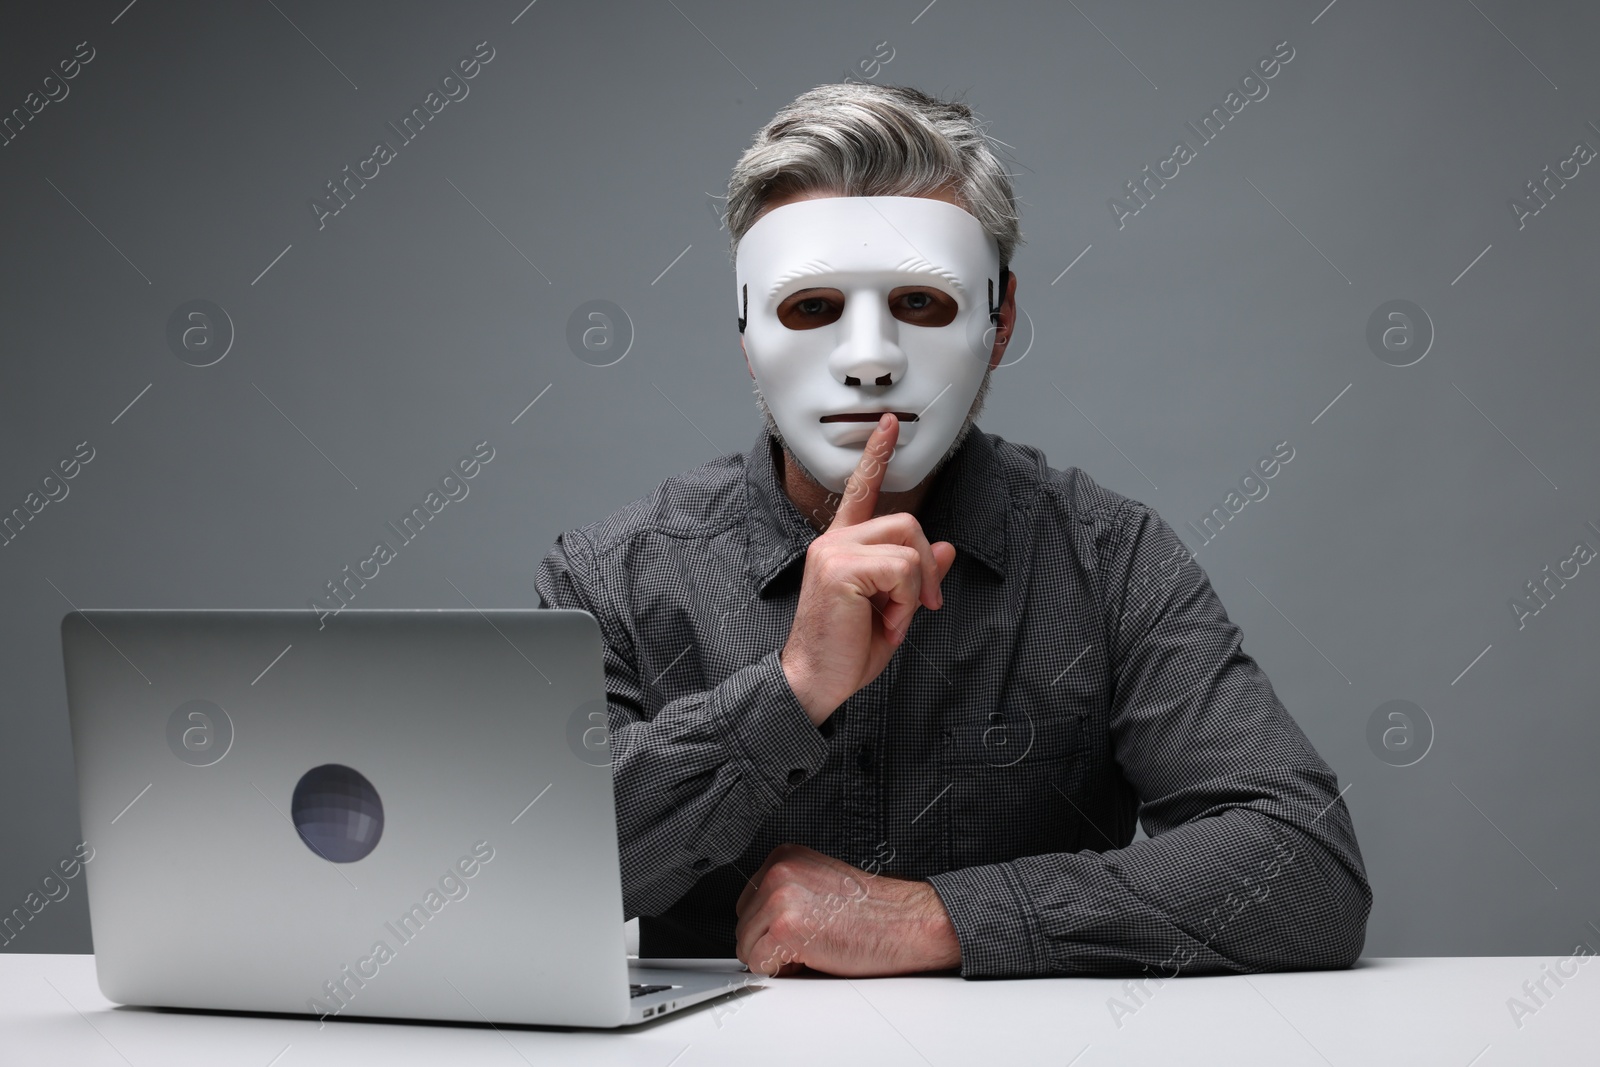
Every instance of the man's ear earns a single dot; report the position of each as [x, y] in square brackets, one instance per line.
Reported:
[1008, 320]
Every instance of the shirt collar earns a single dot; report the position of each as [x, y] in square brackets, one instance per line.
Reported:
[967, 506]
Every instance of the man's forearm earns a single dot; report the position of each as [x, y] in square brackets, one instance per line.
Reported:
[694, 784]
[1231, 893]
[694, 781]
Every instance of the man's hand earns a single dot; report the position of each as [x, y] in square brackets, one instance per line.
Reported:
[864, 579]
[804, 909]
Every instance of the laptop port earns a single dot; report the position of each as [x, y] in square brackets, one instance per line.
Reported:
[649, 1012]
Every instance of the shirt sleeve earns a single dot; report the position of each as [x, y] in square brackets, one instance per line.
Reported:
[1251, 863]
[692, 782]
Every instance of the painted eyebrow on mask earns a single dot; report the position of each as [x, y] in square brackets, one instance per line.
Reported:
[912, 265]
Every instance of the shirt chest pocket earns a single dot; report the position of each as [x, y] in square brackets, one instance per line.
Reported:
[1024, 731]
[1014, 767]
[1042, 715]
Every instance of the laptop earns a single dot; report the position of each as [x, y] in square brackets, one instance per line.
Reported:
[402, 814]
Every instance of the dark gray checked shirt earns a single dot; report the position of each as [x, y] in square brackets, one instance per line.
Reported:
[1081, 674]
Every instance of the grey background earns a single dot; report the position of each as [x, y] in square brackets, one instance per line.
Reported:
[1222, 319]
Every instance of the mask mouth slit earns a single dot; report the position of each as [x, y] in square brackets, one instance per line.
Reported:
[868, 416]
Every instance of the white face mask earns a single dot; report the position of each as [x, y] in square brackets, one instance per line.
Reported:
[863, 304]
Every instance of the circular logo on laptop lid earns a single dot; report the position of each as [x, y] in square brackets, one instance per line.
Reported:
[337, 812]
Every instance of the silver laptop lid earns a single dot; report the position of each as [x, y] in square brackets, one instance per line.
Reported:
[402, 813]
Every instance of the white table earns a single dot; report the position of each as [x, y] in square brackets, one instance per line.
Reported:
[1446, 1011]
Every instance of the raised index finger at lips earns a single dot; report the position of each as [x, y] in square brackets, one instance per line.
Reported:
[861, 491]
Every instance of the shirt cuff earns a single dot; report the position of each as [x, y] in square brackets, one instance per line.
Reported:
[769, 727]
[996, 926]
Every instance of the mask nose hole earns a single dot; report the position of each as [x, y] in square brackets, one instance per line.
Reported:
[883, 379]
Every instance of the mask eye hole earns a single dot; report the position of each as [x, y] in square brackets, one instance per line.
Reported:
[921, 305]
[811, 308]
[918, 305]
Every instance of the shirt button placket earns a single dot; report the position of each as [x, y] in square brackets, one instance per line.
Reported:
[870, 764]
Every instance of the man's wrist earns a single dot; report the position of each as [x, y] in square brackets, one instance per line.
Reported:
[940, 945]
[817, 713]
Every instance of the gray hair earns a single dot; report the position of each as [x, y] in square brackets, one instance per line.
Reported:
[863, 139]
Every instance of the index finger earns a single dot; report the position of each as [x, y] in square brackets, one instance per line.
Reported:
[861, 491]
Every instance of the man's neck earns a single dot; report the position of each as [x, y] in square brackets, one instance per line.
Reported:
[818, 505]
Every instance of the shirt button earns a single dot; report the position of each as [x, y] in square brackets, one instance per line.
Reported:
[701, 864]
[864, 758]
[797, 776]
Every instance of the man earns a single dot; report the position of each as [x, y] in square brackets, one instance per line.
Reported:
[888, 693]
